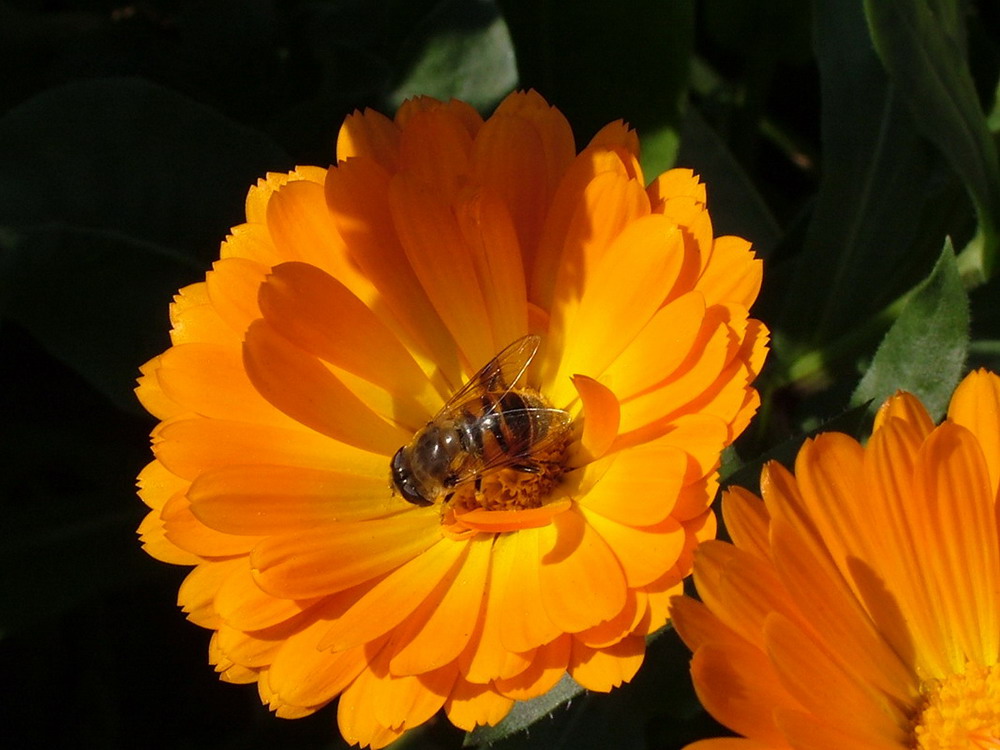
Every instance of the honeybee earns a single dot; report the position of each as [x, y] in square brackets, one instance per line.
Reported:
[489, 424]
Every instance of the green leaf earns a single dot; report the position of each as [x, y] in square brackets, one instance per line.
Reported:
[879, 218]
[921, 48]
[924, 352]
[462, 50]
[599, 63]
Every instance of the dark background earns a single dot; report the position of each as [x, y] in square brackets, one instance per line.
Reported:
[129, 134]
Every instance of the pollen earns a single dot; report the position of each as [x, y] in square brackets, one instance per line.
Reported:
[516, 488]
[960, 712]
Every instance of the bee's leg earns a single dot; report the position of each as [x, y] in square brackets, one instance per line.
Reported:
[479, 483]
[527, 468]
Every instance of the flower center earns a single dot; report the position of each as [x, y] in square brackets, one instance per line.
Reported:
[961, 712]
[516, 488]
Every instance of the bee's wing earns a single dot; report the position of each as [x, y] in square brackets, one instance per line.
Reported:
[557, 422]
[498, 375]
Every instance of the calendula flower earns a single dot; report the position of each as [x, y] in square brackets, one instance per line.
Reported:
[859, 606]
[346, 313]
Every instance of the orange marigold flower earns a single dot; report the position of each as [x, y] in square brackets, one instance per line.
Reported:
[345, 313]
[859, 606]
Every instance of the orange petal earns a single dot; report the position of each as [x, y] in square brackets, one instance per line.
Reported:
[183, 529]
[196, 595]
[210, 380]
[242, 604]
[829, 694]
[806, 731]
[304, 674]
[739, 688]
[547, 668]
[358, 198]
[746, 520]
[524, 625]
[976, 406]
[595, 200]
[437, 632]
[188, 447]
[395, 597]
[232, 288]
[369, 134]
[733, 273]
[335, 557]
[157, 484]
[906, 407]
[623, 291]
[318, 313]
[581, 582]
[194, 318]
[300, 386]
[436, 250]
[659, 348]
[486, 657]
[152, 534]
[521, 152]
[471, 705]
[266, 499]
[641, 485]
[645, 553]
[601, 413]
[435, 147]
[827, 604]
[956, 529]
[489, 236]
[606, 668]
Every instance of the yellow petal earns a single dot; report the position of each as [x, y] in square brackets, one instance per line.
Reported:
[265, 499]
[606, 668]
[625, 289]
[335, 557]
[600, 418]
[242, 604]
[395, 597]
[298, 384]
[188, 447]
[581, 581]
[318, 313]
[524, 624]
[437, 632]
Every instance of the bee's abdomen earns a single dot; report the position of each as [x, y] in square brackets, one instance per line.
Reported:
[512, 424]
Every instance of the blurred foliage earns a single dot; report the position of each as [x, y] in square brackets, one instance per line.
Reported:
[850, 140]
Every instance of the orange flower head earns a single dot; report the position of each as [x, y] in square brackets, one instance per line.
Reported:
[859, 604]
[443, 422]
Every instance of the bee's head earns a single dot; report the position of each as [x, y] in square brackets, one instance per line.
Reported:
[403, 480]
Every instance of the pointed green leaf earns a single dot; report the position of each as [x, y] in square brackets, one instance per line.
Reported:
[461, 50]
[924, 352]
